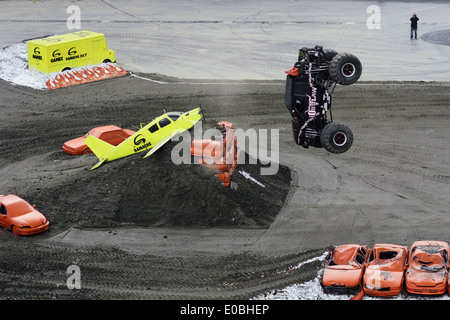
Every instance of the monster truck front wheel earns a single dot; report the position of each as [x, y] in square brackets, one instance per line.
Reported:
[345, 68]
[336, 138]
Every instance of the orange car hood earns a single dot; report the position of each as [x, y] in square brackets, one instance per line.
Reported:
[342, 275]
[32, 219]
[427, 279]
[427, 270]
[377, 276]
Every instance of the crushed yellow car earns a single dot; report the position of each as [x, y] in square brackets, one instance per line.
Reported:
[150, 137]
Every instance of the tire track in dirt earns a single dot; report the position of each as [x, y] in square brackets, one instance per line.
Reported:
[110, 273]
[364, 185]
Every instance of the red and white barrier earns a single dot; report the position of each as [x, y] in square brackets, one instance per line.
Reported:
[84, 75]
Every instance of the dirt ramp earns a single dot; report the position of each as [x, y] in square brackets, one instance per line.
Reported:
[134, 191]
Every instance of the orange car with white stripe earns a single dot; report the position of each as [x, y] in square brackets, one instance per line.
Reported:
[385, 269]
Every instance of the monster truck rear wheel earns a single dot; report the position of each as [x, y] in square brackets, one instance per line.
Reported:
[345, 68]
[336, 138]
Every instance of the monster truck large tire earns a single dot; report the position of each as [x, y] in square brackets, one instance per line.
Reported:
[329, 54]
[336, 138]
[345, 68]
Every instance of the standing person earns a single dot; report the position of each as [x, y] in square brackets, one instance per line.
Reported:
[414, 20]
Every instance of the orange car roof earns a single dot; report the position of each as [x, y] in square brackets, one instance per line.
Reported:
[423, 261]
[430, 243]
[105, 128]
[379, 249]
[10, 199]
[388, 246]
[343, 254]
[425, 257]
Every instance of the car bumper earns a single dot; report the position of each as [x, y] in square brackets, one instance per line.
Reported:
[30, 231]
[71, 151]
[340, 289]
[436, 290]
[382, 291]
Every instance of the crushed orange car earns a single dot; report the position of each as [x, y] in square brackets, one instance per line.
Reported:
[344, 268]
[20, 217]
[427, 273]
[111, 134]
[219, 155]
[385, 269]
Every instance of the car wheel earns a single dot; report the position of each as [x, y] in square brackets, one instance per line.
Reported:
[87, 151]
[345, 68]
[336, 138]
[15, 231]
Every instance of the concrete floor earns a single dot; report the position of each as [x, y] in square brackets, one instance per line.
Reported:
[206, 39]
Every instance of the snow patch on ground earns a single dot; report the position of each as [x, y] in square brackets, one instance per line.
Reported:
[14, 67]
[312, 290]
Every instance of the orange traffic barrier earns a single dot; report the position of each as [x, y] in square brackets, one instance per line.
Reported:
[84, 75]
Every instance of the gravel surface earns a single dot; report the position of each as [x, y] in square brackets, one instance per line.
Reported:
[147, 229]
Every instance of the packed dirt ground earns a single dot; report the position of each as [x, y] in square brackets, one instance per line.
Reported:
[148, 229]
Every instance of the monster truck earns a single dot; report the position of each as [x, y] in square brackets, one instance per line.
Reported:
[309, 86]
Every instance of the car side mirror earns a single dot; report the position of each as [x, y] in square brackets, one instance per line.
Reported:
[34, 206]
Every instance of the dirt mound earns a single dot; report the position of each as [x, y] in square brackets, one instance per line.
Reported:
[134, 191]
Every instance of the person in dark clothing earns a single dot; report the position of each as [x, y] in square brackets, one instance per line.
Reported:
[414, 20]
